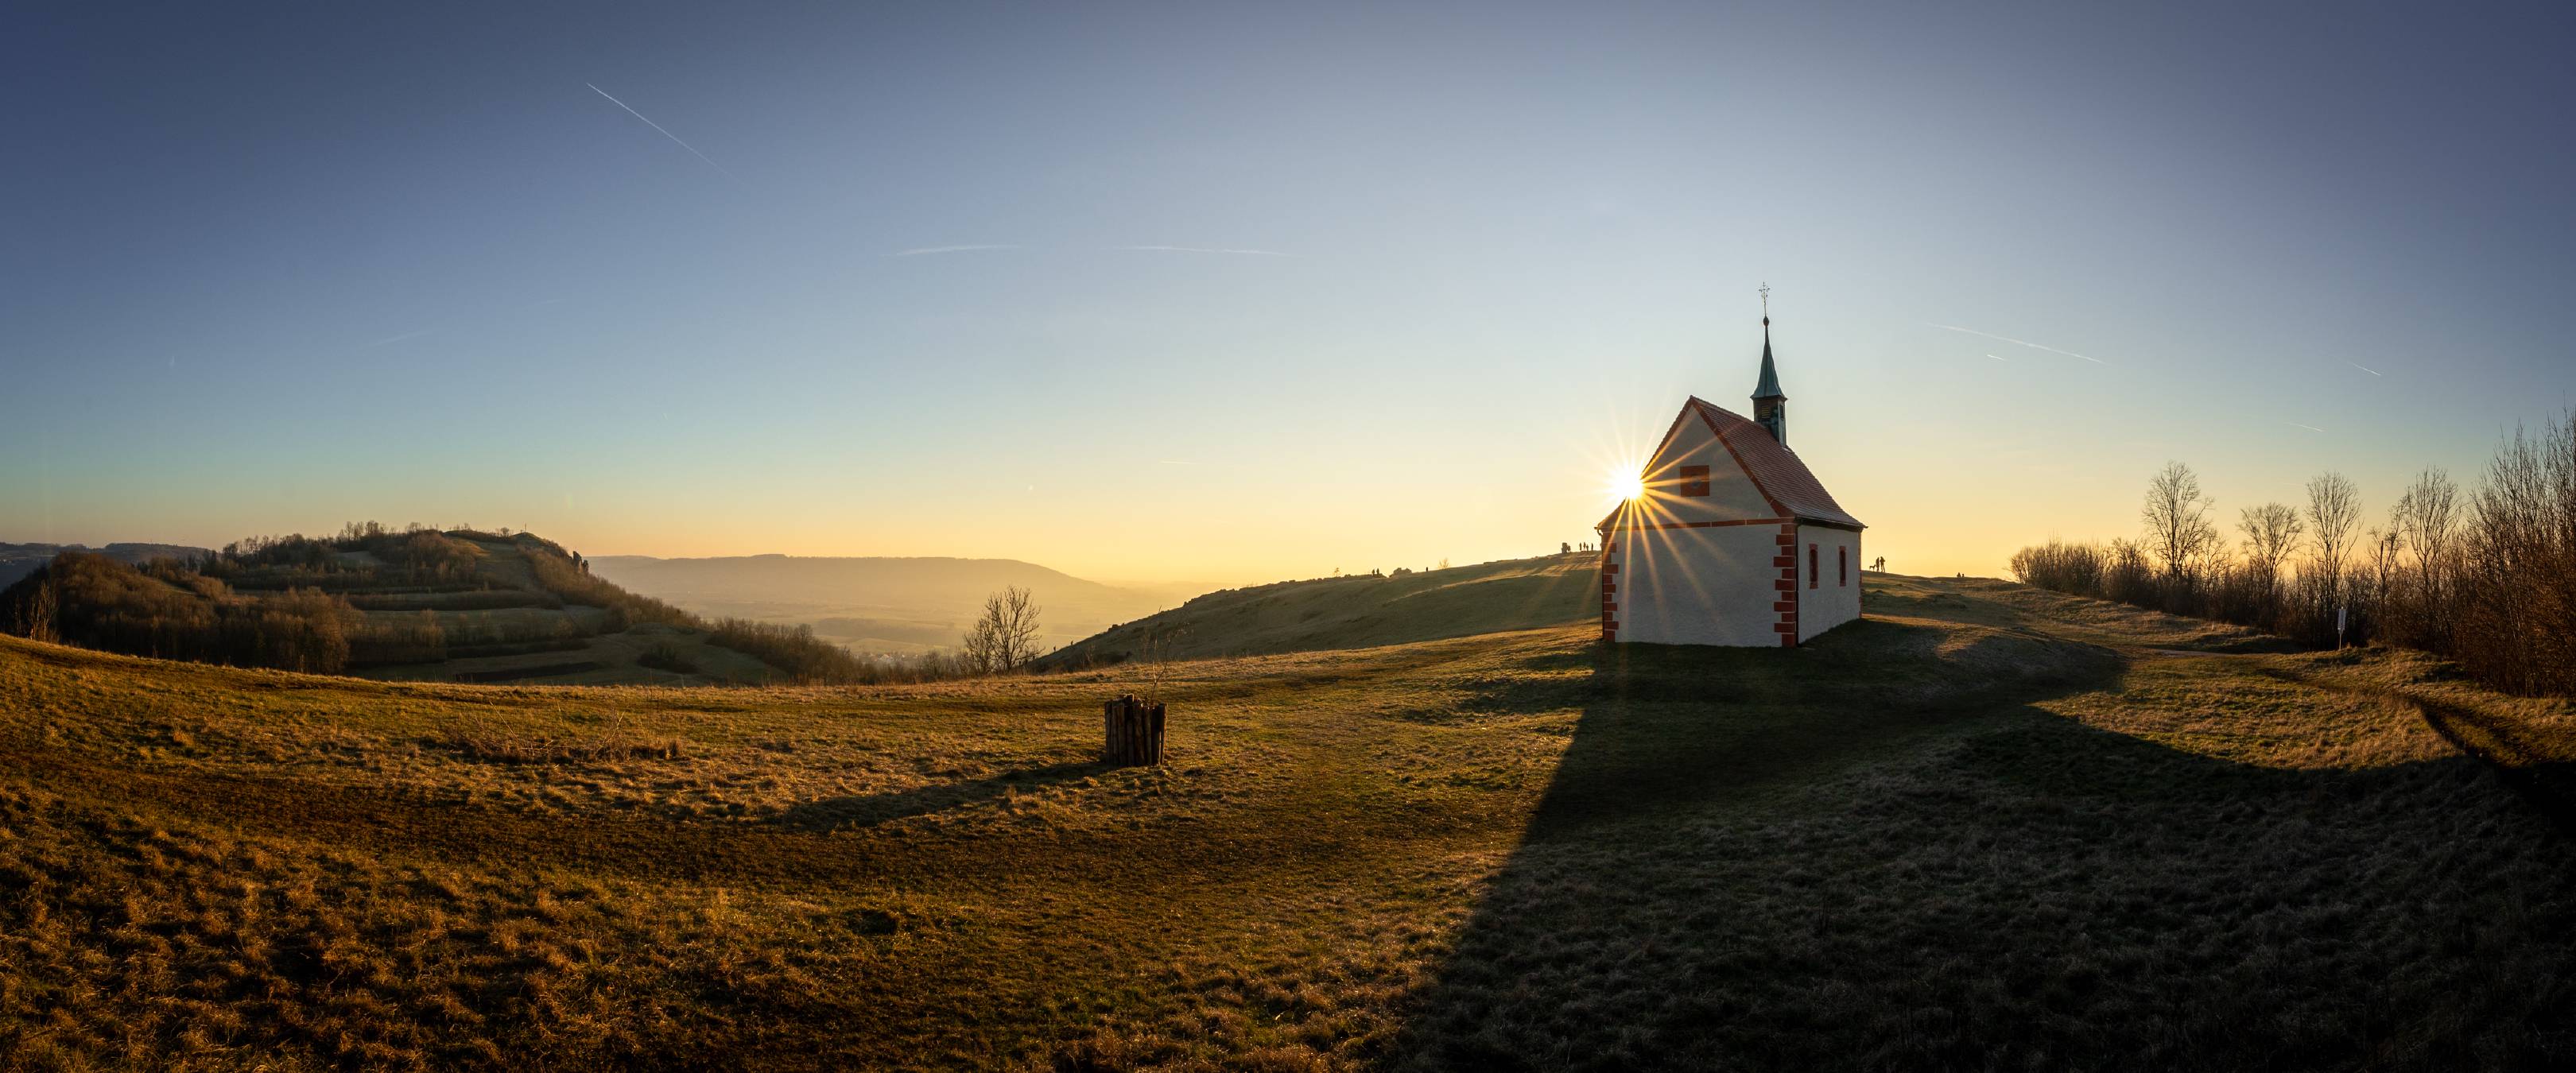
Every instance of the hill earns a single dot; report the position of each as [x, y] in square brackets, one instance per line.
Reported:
[1985, 827]
[20, 560]
[417, 604]
[1355, 612]
[876, 604]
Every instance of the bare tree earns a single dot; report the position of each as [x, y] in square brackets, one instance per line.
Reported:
[2428, 516]
[2387, 555]
[2177, 519]
[1005, 637]
[2521, 563]
[2271, 533]
[42, 608]
[2334, 508]
[1154, 663]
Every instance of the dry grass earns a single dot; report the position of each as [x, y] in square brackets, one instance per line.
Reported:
[1987, 828]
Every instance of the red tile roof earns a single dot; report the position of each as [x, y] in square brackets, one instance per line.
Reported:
[1774, 468]
[1776, 472]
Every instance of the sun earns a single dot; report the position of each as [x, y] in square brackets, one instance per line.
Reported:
[1627, 483]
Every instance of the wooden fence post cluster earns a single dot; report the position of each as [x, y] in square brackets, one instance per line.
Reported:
[1134, 731]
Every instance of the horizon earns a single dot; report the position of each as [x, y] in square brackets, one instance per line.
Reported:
[1288, 293]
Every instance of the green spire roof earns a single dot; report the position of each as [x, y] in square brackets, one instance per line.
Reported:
[1769, 388]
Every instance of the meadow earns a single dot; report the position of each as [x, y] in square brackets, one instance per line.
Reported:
[1986, 827]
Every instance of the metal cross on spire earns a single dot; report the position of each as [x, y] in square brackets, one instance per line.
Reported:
[1765, 290]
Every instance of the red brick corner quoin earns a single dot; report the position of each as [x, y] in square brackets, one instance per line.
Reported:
[1787, 605]
[1609, 591]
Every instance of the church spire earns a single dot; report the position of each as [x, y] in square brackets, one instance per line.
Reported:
[1770, 404]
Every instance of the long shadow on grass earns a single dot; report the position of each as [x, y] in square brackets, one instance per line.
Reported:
[2530, 762]
[1874, 852]
[869, 810]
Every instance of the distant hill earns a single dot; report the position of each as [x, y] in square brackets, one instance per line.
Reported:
[877, 604]
[461, 606]
[1355, 612]
[20, 560]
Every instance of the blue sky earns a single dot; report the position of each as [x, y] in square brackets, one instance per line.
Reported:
[272, 270]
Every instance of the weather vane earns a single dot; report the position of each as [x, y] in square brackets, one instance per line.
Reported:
[1766, 300]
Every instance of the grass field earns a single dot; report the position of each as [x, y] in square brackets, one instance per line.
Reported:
[1985, 828]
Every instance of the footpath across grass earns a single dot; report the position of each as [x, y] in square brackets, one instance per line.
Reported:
[1985, 828]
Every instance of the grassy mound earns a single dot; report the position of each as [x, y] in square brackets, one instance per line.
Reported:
[1355, 612]
[1978, 829]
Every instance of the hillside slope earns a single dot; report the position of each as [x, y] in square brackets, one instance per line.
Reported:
[1355, 612]
[876, 604]
[1983, 828]
[420, 604]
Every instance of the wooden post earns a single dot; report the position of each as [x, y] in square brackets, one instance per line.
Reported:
[1132, 732]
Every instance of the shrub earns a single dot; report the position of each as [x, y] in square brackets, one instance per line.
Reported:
[793, 651]
[665, 656]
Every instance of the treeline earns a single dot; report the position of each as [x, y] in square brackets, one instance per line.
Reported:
[166, 611]
[801, 657]
[419, 556]
[2485, 576]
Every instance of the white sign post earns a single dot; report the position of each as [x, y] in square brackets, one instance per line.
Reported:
[2339, 613]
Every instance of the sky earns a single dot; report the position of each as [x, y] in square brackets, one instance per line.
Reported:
[1221, 293]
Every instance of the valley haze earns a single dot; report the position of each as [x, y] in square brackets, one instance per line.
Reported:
[879, 604]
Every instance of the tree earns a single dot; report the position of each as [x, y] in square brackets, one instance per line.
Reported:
[2271, 534]
[42, 606]
[2519, 563]
[1155, 662]
[2177, 519]
[2385, 549]
[2428, 517]
[2334, 508]
[1005, 637]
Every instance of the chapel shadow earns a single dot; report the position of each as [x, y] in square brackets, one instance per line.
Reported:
[1838, 858]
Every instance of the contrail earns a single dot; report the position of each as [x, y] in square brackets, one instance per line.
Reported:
[2017, 342]
[945, 249]
[393, 339]
[1206, 249]
[693, 150]
[1999, 357]
[2311, 428]
[2362, 367]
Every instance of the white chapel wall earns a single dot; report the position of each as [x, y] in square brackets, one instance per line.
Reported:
[1711, 586]
[1731, 494]
[1834, 599]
